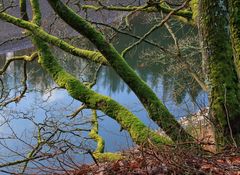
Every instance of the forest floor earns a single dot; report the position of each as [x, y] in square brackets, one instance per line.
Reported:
[170, 160]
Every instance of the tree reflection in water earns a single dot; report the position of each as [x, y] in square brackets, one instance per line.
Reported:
[44, 108]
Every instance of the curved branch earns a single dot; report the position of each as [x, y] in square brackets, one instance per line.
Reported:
[189, 68]
[94, 133]
[18, 58]
[155, 27]
[22, 93]
[131, 35]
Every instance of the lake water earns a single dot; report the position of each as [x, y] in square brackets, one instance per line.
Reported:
[45, 104]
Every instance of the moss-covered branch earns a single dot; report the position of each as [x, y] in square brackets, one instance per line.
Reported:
[94, 133]
[234, 10]
[39, 32]
[157, 111]
[23, 9]
[18, 58]
[145, 8]
[138, 131]
[99, 153]
[194, 4]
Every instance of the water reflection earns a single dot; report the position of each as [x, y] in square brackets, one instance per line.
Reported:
[41, 104]
[109, 84]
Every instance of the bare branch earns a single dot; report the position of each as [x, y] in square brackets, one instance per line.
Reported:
[18, 58]
[153, 28]
[145, 8]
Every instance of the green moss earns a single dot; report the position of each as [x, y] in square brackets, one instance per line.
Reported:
[108, 156]
[36, 12]
[37, 31]
[165, 8]
[234, 10]
[99, 152]
[194, 4]
[157, 111]
[222, 77]
[94, 134]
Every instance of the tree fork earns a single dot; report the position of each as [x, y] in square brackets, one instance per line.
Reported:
[99, 153]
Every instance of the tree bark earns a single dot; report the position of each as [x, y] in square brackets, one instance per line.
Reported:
[234, 12]
[224, 94]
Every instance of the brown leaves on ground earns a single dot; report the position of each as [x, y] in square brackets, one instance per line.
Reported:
[168, 160]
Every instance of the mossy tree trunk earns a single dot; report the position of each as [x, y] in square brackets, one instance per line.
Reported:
[234, 12]
[224, 94]
[155, 108]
